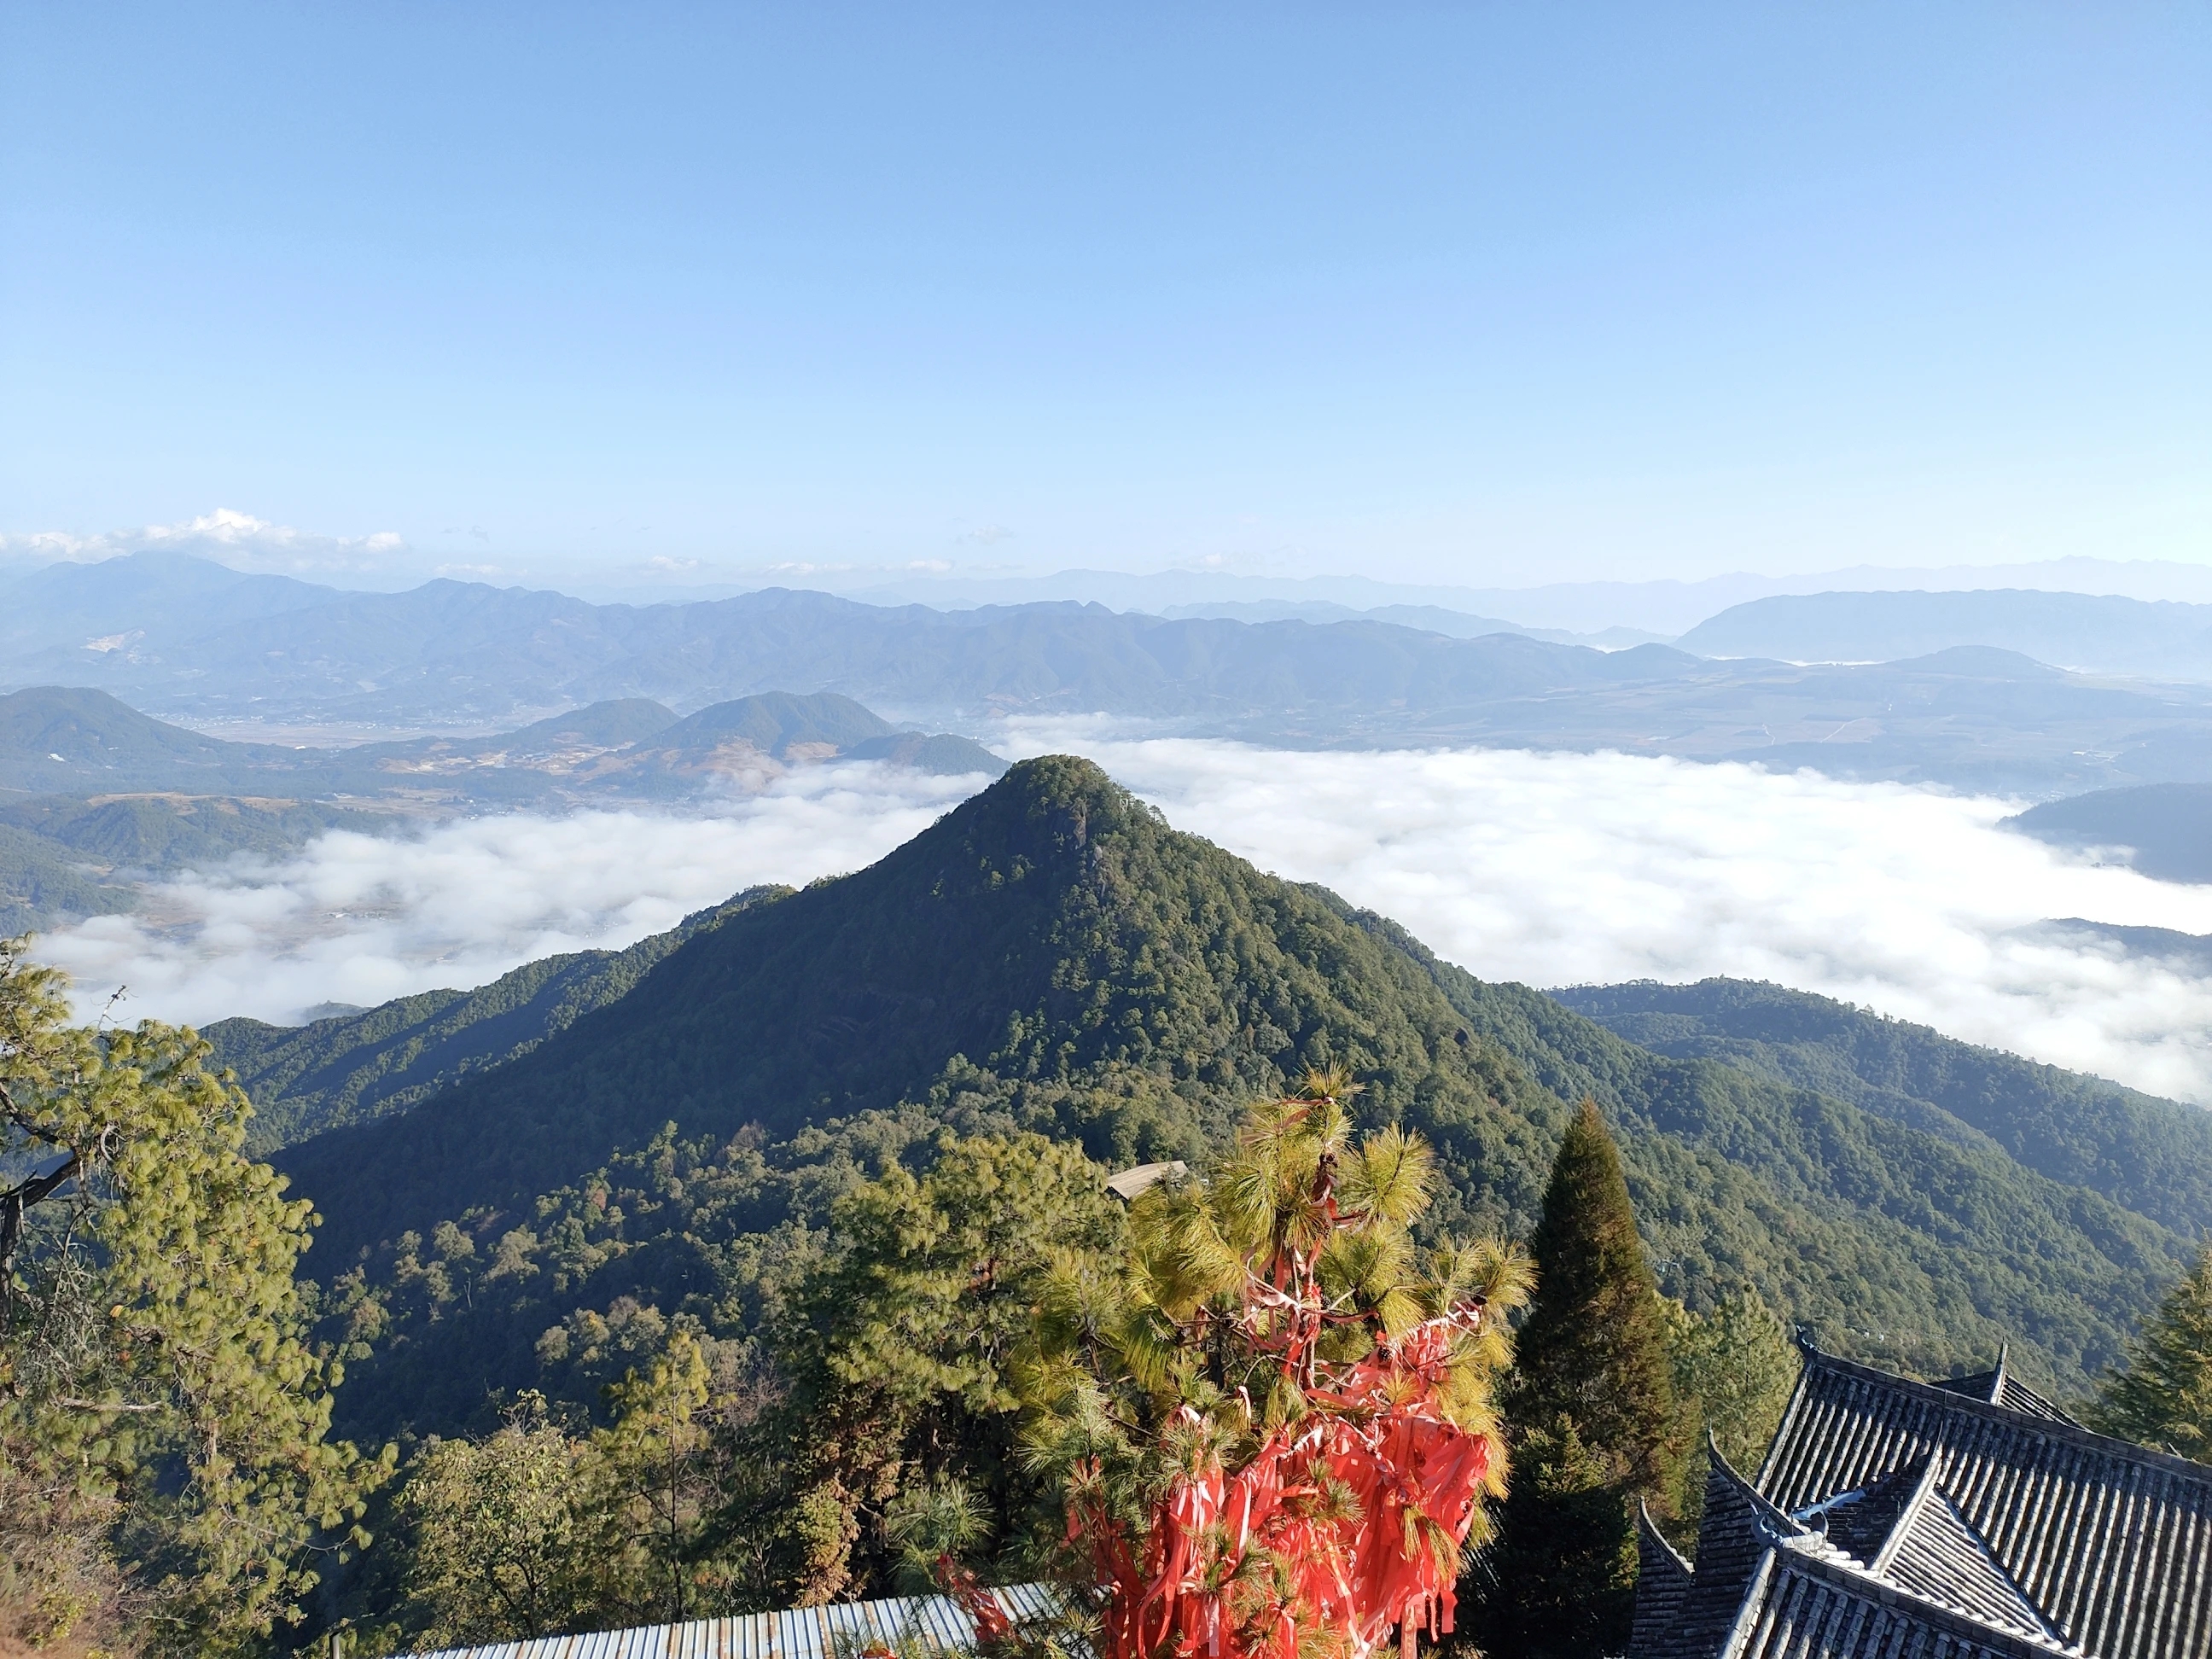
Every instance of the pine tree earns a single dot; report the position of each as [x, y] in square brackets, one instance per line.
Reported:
[1276, 1349]
[1735, 1368]
[2164, 1395]
[894, 1351]
[165, 1463]
[1593, 1415]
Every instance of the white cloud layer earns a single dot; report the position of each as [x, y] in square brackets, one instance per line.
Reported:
[362, 919]
[1573, 869]
[1551, 869]
[225, 536]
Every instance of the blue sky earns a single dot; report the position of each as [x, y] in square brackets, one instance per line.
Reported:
[1480, 294]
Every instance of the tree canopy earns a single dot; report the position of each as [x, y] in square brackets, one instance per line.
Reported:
[163, 1413]
[1596, 1424]
[2162, 1395]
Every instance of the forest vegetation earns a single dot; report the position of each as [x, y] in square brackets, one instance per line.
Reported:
[725, 1274]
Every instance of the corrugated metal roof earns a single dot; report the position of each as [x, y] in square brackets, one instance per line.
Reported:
[1131, 1184]
[934, 1622]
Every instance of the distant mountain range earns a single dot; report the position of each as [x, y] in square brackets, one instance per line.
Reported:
[1431, 618]
[448, 653]
[1664, 607]
[615, 1138]
[2100, 635]
[95, 797]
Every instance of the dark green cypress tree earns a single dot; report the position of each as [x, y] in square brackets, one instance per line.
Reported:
[1593, 1418]
[2163, 1396]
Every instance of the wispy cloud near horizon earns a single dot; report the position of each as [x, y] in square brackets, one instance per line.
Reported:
[227, 536]
[1548, 869]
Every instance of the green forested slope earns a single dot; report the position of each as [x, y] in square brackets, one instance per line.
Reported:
[355, 1067]
[1049, 951]
[160, 832]
[2151, 1155]
[1890, 1240]
[1050, 955]
[39, 880]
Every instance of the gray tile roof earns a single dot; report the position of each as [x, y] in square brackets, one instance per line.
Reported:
[2111, 1542]
[2001, 1387]
[1768, 1583]
[1897, 1518]
[1662, 1586]
[1806, 1608]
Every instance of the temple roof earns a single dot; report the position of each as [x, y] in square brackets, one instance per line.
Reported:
[2001, 1387]
[1965, 1517]
[2111, 1542]
[1911, 1578]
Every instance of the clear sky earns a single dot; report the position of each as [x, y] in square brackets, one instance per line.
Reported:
[1479, 293]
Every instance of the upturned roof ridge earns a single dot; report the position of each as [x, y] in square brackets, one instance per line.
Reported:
[1776, 1523]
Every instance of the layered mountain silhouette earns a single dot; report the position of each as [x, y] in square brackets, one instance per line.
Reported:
[2104, 632]
[71, 741]
[1969, 702]
[1051, 956]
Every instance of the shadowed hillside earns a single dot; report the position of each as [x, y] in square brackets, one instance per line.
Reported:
[2163, 830]
[351, 1068]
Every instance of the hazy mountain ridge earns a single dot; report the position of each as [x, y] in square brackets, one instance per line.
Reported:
[1051, 956]
[98, 607]
[2104, 633]
[1665, 606]
[455, 650]
[1967, 716]
[109, 750]
[125, 797]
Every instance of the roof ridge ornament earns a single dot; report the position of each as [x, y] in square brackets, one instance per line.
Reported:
[1776, 1522]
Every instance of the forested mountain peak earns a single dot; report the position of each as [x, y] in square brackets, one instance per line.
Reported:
[1051, 956]
[1050, 952]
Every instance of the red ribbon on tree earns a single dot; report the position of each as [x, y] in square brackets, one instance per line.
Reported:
[1379, 1563]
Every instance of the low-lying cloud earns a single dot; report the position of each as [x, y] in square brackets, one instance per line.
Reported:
[1551, 869]
[362, 919]
[1573, 869]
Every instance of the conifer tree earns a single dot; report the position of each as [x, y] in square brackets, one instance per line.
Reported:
[165, 1474]
[1593, 1415]
[2163, 1397]
[1276, 1348]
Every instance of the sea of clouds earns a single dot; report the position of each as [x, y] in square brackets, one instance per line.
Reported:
[1551, 869]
